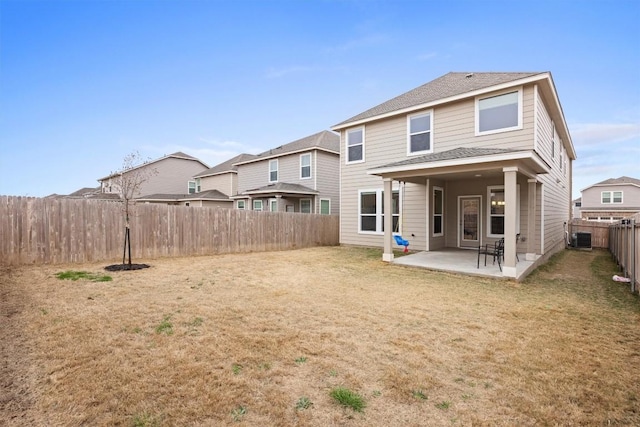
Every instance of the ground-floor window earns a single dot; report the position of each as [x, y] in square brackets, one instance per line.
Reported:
[240, 204]
[305, 205]
[325, 207]
[273, 205]
[438, 209]
[496, 209]
[257, 205]
[371, 211]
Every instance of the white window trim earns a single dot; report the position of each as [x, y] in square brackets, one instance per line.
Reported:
[379, 213]
[501, 187]
[274, 161]
[301, 166]
[325, 200]
[611, 202]
[189, 183]
[346, 153]
[621, 197]
[433, 215]
[409, 117]
[255, 202]
[503, 92]
[310, 205]
[244, 204]
[271, 205]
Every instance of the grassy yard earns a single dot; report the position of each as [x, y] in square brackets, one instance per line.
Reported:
[318, 337]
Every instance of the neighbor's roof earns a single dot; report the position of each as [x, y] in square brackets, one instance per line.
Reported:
[227, 166]
[623, 180]
[176, 155]
[325, 141]
[447, 86]
[204, 195]
[281, 187]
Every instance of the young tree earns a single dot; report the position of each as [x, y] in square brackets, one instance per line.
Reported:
[129, 181]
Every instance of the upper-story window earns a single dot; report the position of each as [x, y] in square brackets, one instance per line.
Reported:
[419, 133]
[305, 166]
[191, 187]
[355, 145]
[499, 113]
[611, 197]
[273, 170]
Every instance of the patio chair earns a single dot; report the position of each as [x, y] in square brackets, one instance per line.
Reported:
[496, 250]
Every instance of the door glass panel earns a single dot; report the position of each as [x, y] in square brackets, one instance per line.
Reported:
[470, 211]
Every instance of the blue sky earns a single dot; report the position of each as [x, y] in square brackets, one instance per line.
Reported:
[84, 83]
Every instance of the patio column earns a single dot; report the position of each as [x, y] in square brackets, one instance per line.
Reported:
[510, 218]
[387, 255]
[531, 220]
[278, 200]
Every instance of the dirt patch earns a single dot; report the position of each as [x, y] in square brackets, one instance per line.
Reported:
[243, 339]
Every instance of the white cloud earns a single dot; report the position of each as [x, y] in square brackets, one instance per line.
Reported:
[366, 41]
[427, 56]
[599, 134]
[275, 73]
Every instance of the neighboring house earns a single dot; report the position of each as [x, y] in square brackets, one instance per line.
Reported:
[611, 200]
[301, 176]
[171, 175]
[577, 207]
[458, 162]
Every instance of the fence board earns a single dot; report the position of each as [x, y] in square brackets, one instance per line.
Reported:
[43, 230]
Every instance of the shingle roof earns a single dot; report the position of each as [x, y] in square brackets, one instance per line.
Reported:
[227, 166]
[326, 140]
[85, 191]
[204, 195]
[456, 153]
[618, 181]
[281, 187]
[451, 84]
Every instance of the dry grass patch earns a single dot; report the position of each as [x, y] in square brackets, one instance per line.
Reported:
[264, 339]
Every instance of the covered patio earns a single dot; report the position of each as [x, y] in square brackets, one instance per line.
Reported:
[464, 261]
[468, 174]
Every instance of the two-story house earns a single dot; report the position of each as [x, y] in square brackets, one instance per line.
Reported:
[301, 176]
[465, 159]
[166, 175]
[611, 200]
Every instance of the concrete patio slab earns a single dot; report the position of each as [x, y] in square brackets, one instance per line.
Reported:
[463, 261]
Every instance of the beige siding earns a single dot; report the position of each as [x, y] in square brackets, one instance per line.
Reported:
[253, 175]
[224, 183]
[325, 174]
[172, 176]
[454, 126]
[556, 198]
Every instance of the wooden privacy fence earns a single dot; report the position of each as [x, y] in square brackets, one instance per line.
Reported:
[624, 244]
[599, 231]
[46, 230]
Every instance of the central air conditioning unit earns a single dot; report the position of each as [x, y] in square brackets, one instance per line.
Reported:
[581, 240]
